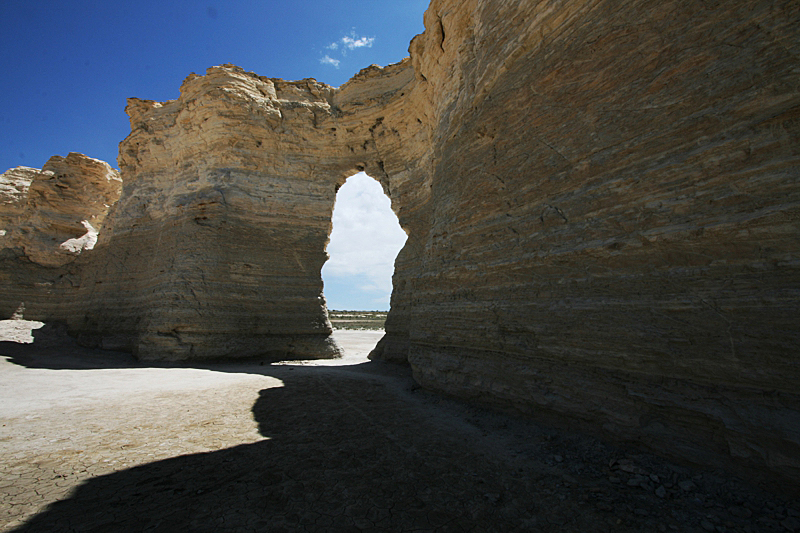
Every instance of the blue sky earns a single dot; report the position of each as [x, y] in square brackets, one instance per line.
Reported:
[364, 242]
[69, 65]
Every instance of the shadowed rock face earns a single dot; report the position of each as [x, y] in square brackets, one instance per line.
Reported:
[612, 223]
[611, 234]
[601, 202]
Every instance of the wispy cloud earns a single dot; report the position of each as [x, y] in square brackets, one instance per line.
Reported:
[353, 41]
[328, 60]
[349, 42]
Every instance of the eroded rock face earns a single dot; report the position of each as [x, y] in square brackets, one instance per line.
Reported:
[67, 203]
[601, 201]
[48, 218]
[610, 238]
[55, 213]
[14, 185]
[219, 237]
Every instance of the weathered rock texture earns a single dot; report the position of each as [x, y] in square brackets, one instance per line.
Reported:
[67, 203]
[219, 237]
[14, 186]
[47, 218]
[602, 204]
[611, 231]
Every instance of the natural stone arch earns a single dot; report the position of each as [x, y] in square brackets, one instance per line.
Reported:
[224, 259]
[601, 217]
[362, 245]
[215, 247]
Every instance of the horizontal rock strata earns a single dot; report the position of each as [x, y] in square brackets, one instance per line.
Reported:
[611, 236]
[601, 201]
[48, 217]
[219, 238]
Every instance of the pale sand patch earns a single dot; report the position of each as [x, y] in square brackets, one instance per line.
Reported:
[340, 445]
[356, 345]
[75, 413]
[52, 385]
[18, 330]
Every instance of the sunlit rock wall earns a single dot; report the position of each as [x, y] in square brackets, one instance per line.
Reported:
[219, 238]
[612, 232]
[602, 207]
[48, 218]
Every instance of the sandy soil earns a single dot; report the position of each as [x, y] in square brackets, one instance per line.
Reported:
[95, 441]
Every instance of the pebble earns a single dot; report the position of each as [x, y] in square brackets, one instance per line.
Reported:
[740, 512]
[661, 492]
[708, 526]
[791, 524]
[688, 486]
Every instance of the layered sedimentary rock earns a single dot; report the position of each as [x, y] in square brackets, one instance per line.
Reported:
[14, 185]
[219, 237]
[611, 234]
[48, 217]
[601, 199]
[66, 205]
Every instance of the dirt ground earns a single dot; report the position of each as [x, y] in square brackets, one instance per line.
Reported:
[95, 441]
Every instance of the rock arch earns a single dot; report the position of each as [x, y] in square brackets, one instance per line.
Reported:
[225, 259]
[601, 202]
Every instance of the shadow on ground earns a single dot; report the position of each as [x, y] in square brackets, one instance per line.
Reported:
[344, 450]
[352, 448]
[53, 349]
[340, 455]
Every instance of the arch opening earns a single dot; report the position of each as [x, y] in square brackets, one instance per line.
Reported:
[363, 244]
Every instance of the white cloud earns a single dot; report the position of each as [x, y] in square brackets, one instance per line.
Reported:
[365, 240]
[353, 41]
[348, 42]
[327, 60]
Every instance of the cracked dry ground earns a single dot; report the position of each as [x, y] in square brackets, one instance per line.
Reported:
[93, 441]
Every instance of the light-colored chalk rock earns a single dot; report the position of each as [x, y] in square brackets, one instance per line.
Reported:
[14, 185]
[49, 217]
[55, 213]
[219, 238]
[601, 199]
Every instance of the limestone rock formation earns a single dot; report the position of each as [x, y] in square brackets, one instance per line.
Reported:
[609, 236]
[601, 201]
[48, 218]
[223, 223]
[55, 213]
[14, 185]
